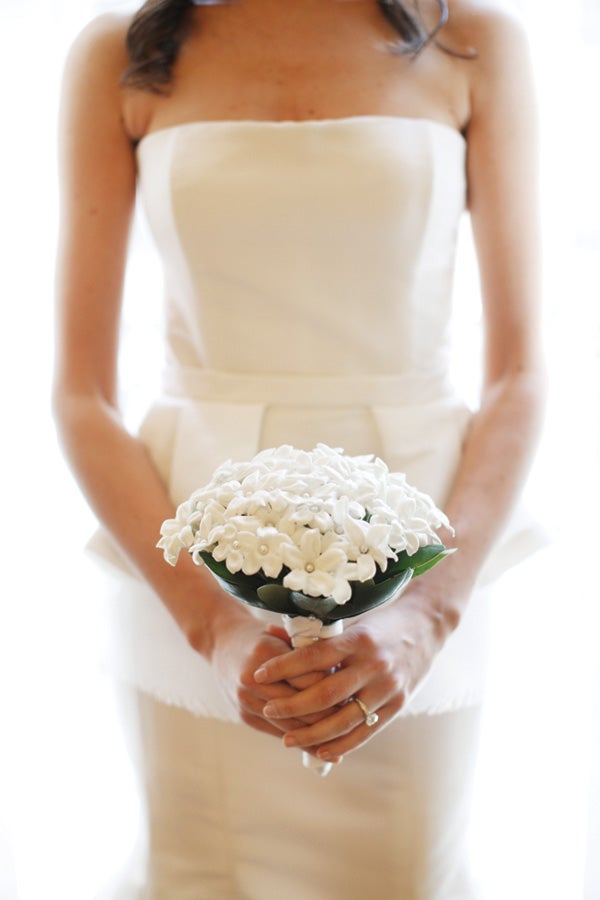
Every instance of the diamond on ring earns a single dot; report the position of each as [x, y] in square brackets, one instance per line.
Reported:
[371, 718]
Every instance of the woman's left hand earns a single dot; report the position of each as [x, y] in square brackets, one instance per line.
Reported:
[380, 659]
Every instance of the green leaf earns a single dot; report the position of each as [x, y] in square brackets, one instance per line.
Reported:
[256, 591]
[370, 595]
[276, 598]
[246, 593]
[433, 560]
[365, 596]
[219, 568]
[221, 571]
[243, 587]
[314, 606]
[425, 558]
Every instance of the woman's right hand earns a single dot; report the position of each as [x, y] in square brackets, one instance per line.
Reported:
[238, 651]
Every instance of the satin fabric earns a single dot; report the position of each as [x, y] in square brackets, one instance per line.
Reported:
[234, 816]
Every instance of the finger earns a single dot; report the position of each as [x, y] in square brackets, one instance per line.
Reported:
[340, 723]
[267, 691]
[317, 657]
[260, 724]
[349, 742]
[255, 706]
[304, 681]
[252, 707]
[254, 697]
[333, 690]
[283, 686]
[363, 733]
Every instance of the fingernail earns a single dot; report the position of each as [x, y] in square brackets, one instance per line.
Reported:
[290, 741]
[270, 710]
[325, 755]
[260, 674]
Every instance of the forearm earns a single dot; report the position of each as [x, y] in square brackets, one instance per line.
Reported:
[494, 464]
[120, 481]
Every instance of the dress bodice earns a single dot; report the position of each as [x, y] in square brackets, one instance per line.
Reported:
[316, 246]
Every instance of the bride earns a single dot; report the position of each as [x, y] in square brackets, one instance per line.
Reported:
[304, 166]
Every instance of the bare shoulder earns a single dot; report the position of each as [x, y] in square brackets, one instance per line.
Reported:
[95, 64]
[92, 95]
[500, 71]
[100, 46]
[485, 22]
[474, 23]
[494, 30]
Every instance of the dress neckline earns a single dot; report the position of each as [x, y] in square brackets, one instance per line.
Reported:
[281, 124]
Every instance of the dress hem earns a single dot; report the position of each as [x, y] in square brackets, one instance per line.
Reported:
[466, 700]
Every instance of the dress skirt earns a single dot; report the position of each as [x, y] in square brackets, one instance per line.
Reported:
[232, 815]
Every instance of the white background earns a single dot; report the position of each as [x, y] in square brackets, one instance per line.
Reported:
[68, 813]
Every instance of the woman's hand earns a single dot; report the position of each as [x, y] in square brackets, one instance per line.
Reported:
[238, 652]
[380, 659]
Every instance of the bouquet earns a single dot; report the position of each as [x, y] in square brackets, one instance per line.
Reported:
[316, 536]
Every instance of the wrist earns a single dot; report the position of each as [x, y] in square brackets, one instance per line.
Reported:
[201, 608]
[228, 615]
[440, 612]
[444, 591]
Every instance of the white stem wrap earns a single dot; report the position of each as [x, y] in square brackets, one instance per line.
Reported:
[305, 630]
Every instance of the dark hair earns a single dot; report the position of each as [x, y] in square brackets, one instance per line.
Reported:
[159, 27]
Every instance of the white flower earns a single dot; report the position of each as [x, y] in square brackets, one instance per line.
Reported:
[176, 533]
[314, 566]
[264, 550]
[172, 544]
[207, 518]
[369, 546]
[330, 519]
[223, 545]
[313, 513]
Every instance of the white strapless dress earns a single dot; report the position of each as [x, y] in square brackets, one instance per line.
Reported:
[308, 273]
[308, 270]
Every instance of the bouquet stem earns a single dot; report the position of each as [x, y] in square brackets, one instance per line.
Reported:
[305, 630]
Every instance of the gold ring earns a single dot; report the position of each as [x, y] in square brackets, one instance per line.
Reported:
[371, 718]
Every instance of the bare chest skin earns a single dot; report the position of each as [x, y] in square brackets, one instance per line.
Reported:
[299, 59]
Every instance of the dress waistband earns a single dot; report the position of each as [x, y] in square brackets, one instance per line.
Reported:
[306, 390]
